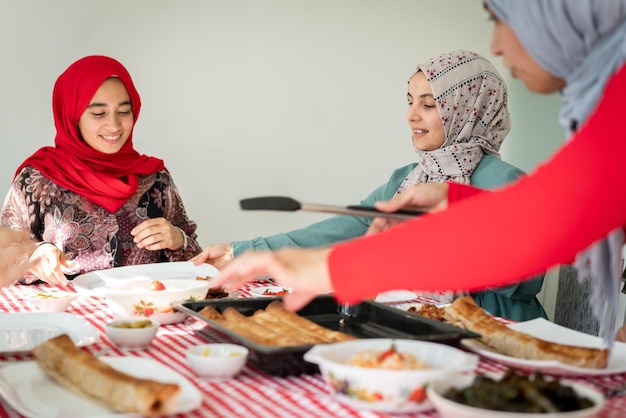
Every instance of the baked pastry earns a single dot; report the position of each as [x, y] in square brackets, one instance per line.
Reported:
[429, 311]
[465, 313]
[274, 326]
[89, 377]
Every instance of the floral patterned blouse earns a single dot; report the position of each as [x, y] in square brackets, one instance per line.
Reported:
[95, 238]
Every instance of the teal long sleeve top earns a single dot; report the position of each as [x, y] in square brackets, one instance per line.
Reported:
[518, 302]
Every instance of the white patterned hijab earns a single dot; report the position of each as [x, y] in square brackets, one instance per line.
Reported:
[584, 43]
[471, 98]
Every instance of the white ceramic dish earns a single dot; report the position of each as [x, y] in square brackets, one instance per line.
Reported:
[127, 289]
[549, 331]
[269, 291]
[395, 296]
[21, 332]
[51, 301]
[397, 391]
[129, 336]
[450, 409]
[26, 387]
[91, 283]
[218, 361]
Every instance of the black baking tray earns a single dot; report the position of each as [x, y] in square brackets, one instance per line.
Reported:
[368, 319]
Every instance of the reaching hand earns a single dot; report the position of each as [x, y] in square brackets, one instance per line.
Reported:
[48, 268]
[424, 196]
[220, 255]
[13, 246]
[305, 271]
[158, 234]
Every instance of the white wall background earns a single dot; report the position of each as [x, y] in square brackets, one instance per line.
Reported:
[243, 98]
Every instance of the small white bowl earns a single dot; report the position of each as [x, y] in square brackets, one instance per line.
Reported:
[217, 361]
[448, 408]
[386, 390]
[127, 334]
[52, 301]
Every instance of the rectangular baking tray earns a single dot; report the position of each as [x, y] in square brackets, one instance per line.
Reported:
[368, 319]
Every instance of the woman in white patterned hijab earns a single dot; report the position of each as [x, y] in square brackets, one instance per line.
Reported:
[471, 100]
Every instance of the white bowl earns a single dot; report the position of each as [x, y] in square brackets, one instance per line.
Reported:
[126, 333]
[52, 301]
[133, 299]
[383, 389]
[450, 409]
[217, 361]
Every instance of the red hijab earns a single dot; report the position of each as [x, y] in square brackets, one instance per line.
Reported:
[105, 179]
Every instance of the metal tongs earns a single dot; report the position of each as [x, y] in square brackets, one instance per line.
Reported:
[291, 205]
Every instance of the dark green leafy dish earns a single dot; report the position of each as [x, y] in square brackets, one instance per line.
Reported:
[519, 393]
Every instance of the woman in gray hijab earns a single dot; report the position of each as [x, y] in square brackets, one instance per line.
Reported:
[573, 207]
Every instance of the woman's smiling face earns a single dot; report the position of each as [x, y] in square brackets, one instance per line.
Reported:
[423, 117]
[107, 122]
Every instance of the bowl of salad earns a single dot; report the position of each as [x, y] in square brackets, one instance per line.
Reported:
[387, 375]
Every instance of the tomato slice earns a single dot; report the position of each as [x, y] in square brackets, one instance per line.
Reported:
[157, 285]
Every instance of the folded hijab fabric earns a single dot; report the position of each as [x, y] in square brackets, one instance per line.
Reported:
[471, 98]
[584, 43]
[105, 179]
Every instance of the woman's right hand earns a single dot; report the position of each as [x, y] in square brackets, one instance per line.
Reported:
[428, 197]
[49, 262]
[219, 255]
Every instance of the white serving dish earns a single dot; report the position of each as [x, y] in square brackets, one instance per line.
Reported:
[51, 301]
[132, 337]
[128, 295]
[397, 391]
[450, 409]
[217, 361]
[32, 393]
[21, 332]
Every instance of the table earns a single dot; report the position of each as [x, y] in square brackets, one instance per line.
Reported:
[253, 393]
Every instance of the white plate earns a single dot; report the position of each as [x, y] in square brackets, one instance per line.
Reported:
[29, 390]
[450, 409]
[90, 283]
[260, 291]
[549, 331]
[21, 332]
[395, 296]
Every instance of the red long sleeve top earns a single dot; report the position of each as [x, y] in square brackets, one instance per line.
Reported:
[487, 239]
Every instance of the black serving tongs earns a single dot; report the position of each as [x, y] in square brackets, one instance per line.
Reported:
[291, 205]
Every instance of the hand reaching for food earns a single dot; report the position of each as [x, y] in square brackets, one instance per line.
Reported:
[50, 263]
[219, 255]
[158, 234]
[304, 270]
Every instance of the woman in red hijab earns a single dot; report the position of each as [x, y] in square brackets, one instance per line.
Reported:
[92, 200]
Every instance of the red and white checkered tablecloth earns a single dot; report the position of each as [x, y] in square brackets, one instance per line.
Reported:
[253, 393]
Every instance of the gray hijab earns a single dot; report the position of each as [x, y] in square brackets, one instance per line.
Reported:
[584, 43]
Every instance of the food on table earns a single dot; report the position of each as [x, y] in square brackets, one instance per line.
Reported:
[86, 375]
[389, 359]
[133, 324]
[51, 296]
[216, 293]
[281, 292]
[274, 326]
[157, 285]
[519, 393]
[429, 311]
[465, 313]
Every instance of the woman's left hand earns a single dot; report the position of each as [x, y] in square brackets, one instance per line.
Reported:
[158, 234]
